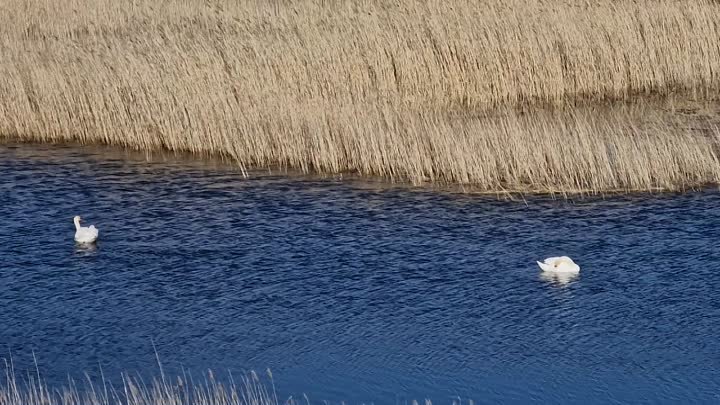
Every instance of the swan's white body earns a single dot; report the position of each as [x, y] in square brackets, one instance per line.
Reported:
[84, 234]
[562, 264]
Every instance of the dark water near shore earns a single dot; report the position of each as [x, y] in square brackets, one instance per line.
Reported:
[355, 290]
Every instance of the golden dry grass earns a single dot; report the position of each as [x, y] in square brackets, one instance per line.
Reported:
[408, 89]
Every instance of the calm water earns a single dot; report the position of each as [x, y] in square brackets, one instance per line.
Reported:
[352, 290]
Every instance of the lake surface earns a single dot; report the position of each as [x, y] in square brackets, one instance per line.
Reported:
[355, 291]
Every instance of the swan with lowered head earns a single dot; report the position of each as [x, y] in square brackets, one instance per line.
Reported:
[84, 234]
[562, 264]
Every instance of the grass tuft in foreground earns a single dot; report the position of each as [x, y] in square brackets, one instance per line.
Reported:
[249, 390]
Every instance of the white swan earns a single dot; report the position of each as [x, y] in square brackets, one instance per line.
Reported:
[562, 264]
[84, 234]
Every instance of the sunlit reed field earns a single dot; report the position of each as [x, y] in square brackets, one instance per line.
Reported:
[521, 95]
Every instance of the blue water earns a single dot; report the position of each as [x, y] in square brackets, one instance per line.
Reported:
[355, 290]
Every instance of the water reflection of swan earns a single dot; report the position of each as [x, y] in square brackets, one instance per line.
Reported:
[84, 234]
[85, 249]
[562, 264]
[560, 278]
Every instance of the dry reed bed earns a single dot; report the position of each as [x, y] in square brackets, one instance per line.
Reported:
[410, 89]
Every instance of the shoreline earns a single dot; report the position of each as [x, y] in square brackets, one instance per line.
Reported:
[225, 163]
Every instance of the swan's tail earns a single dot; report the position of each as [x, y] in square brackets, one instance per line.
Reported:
[544, 266]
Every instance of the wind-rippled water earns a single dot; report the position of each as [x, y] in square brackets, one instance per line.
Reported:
[355, 290]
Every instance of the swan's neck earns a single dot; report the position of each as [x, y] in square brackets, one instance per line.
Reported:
[77, 223]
